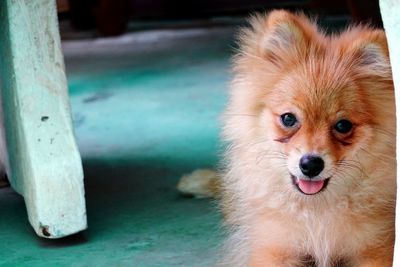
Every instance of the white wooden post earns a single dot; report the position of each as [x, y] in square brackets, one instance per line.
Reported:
[45, 165]
[390, 10]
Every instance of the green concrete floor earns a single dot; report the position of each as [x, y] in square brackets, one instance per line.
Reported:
[146, 108]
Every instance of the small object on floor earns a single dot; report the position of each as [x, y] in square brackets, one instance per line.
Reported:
[201, 183]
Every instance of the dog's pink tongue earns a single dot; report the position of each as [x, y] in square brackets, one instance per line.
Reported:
[310, 187]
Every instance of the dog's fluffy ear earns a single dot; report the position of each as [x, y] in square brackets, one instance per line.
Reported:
[374, 51]
[369, 47]
[282, 35]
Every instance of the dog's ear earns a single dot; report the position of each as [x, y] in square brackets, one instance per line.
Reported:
[374, 50]
[283, 35]
[370, 51]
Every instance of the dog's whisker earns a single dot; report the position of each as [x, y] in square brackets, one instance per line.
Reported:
[238, 114]
[380, 157]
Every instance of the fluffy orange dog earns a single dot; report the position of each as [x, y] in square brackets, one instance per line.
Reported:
[310, 173]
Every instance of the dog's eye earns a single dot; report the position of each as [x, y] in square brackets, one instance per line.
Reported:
[288, 119]
[343, 126]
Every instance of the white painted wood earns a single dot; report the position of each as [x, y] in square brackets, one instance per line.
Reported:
[390, 10]
[45, 165]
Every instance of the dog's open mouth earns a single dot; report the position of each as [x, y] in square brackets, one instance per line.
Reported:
[309, 187]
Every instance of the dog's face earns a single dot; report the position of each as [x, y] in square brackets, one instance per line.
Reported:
[320, 129]
[323, 105]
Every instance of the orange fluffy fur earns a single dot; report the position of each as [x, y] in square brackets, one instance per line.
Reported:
[286, 64]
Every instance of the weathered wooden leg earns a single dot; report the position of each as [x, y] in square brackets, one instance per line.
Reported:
[390, 10]
[45, 165]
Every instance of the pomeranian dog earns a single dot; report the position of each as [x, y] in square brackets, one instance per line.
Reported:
[310, 166]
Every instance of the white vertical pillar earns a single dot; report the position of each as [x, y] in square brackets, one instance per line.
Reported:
[45, 164]
[390, 10]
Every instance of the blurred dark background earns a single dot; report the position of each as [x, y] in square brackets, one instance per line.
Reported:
[112, 17]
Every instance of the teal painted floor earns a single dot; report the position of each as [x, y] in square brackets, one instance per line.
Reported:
[145, 109]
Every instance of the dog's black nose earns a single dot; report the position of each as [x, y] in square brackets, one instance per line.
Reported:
[311, 165]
